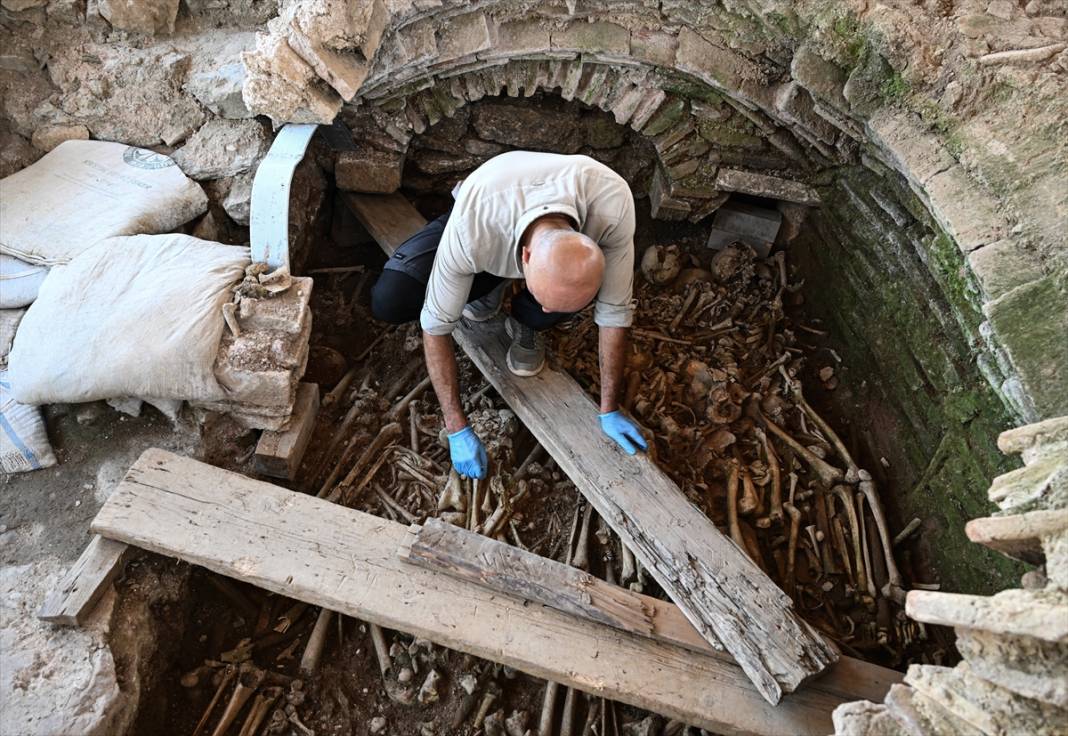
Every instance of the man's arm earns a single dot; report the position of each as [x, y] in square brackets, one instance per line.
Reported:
[441, 365]
[613, 356]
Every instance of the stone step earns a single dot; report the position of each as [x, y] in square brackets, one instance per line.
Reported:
[993, 710]
[1018, 536]
[1041, 438]
[1031, 667]
[938, 721]
[864, 718]
[1043, 484]
[899, 704]
[1039, 613]
[1055, 547]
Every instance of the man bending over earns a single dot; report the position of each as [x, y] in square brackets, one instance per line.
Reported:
[565, 224]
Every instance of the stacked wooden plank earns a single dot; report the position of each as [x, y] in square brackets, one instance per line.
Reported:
[348, 561]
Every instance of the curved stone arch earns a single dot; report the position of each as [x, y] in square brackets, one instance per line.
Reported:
[695, 172]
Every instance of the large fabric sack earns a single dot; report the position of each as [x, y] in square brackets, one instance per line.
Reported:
[132, 316]
[9, 325]
[84, 191]
[23, 439]
[19, 282]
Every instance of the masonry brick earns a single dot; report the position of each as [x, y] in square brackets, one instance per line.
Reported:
[597, 37]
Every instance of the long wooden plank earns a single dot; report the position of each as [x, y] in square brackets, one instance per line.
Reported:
[278, 454]
[454, 551]
[715, 584]
[346, 561]
[389, 218]
[87, 580]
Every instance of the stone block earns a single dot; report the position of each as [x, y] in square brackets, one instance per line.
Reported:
[1022, 664]
[757, 227]
[966, 212]
[594, 84]
[1030, 323]
[238, 200]
[984, 705]
[655, 47]
[286, 313]
[463, 36]
[219, 90]
[571, 80]
[1002, 266]
[647, 108]
[822, 78]
[48, 137]
[281, 85]
[342, 70]
[369, 170]
[140, 16]
[662, 205]
[762, 185]
[703, 207]
[223, 148]
[1031, 439]
[417, 43]
[597, 37]
[795, 105]
[720, 67]
[519, 38]
[528, 127]
[1042, 484]
[1035, 613]
[864, 718]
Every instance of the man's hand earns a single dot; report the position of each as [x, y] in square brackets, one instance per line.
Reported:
[467, 453]
[623, 431]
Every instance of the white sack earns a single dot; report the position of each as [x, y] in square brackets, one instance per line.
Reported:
[9, 324]
[19, 282]
[132, 316]
[84, 191]
[23, 439]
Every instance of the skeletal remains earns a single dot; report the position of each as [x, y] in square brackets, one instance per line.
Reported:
[713, 376]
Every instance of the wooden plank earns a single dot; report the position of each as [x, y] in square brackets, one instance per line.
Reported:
[300, 546]
[1018, 536]
[449, 549]
[389, 218]
[87, 580]
[278, 454]
[715, 584]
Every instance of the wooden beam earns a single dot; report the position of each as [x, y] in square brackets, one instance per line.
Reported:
[278, 454]
[715, 584]
[460, 553]
[303, 547]
[1020, 535]
[388, 218]
[87, 580]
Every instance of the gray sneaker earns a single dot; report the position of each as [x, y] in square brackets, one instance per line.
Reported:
[486, 308]
[526, 356]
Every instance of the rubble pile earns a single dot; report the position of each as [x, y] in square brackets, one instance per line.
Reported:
[264, 351]
[714, 377]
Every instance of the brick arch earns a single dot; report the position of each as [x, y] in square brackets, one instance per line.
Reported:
[694, 139]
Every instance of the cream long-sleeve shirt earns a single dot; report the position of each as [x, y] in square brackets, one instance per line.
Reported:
[496, 204]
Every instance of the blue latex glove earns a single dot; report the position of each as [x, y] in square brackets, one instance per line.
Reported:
[625, 432]
[467, 453]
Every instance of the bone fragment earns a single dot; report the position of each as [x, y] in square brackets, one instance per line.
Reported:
[248, 681]
[313, 652]
[476, 502]
[732, 505]
[387, 434]
[260, 707]
[567, 718]
[844, 495]
[483, 708]
[581, 557]
[791, 550]
[827, 473]
[413, 426]
[775, 514]
[378, 639]
[452, 495]
[839, 544]
[228, 676]
[548, 705]
[862, 520]
[907, 532]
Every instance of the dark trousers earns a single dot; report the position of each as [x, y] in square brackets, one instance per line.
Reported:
[398, 295]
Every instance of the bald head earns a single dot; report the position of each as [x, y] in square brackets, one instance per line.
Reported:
[563, 268]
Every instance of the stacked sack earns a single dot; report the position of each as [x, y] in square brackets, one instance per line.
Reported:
[263, 353]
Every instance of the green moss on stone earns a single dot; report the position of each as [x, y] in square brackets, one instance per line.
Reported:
[667, 116]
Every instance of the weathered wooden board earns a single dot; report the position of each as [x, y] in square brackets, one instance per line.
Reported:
[389, 218]
[1020, 535]
[454, 551]
[278, 454]
[347, 561]
[87, 580]
[715, 584]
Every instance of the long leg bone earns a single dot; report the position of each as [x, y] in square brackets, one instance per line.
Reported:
[313, 651]
[775, 514]
[581, 558]
[839, 544]
[260, 707]
[846, 497]
[827, 473]
[894, 588]
[749, 501]
[387, 434]
[548, 706]
[732, 505]
[862, 520]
